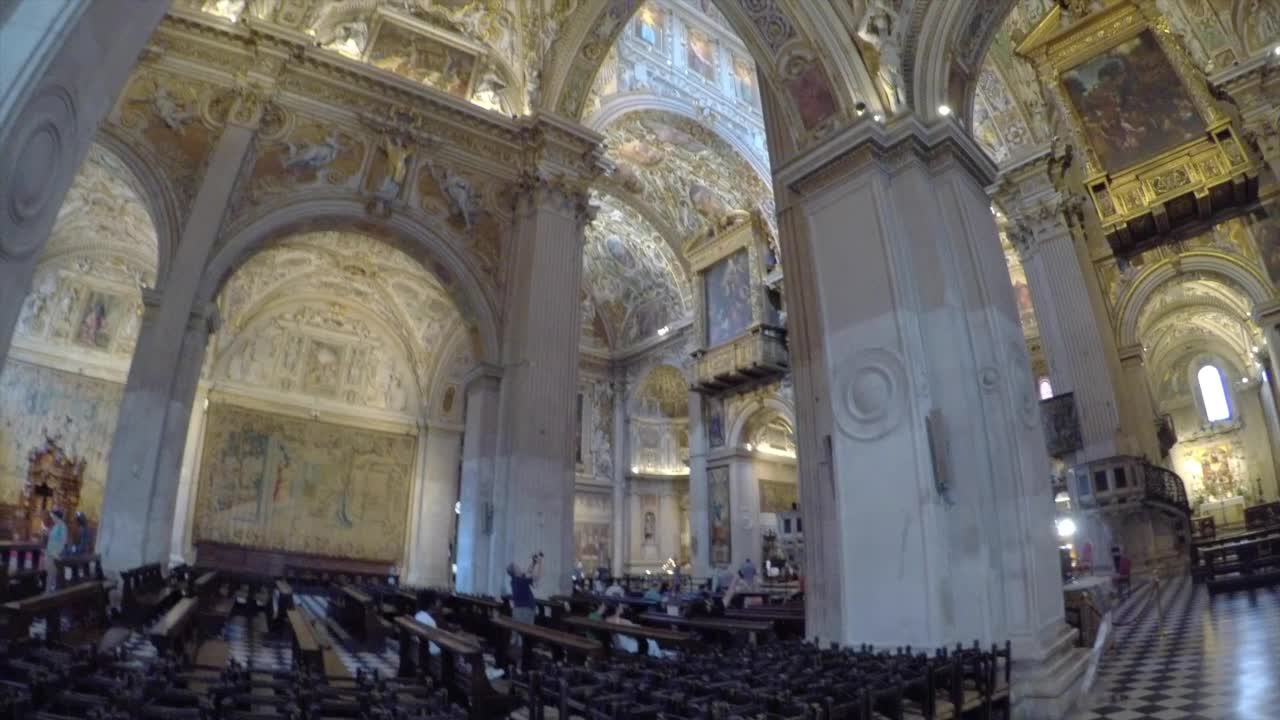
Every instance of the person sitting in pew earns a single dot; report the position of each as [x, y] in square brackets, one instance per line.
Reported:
[599, 613]
[615, 590]
[427, 617]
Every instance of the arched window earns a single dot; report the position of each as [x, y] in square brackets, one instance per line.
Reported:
[1046, 388]
[1213, 391]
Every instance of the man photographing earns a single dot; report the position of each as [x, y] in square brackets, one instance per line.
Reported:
[523, 606]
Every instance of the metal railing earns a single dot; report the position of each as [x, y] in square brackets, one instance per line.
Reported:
[1163, 485]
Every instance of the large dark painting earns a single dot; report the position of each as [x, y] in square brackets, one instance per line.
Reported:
[718, 492]
[1132, 103]
[728, 298]
[1061, 424]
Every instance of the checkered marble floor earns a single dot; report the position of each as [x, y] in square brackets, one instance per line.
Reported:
[353, 656]
[1202, 658]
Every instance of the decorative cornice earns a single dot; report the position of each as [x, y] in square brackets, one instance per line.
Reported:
[486, 374]
[887, 147]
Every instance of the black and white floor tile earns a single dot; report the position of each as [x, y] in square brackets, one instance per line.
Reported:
[1194, 657]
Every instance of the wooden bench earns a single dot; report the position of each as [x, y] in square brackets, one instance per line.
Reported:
[145, 593]
[20, 572]
[306, 646]
[175, 634]
[356, 611]
[78, 569]
[652, 637]
[460, 669]
[753, 631]
[789, 623]
[85, 605]
[561, 644]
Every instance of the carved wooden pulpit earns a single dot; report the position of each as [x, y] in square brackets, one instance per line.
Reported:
[53, 481]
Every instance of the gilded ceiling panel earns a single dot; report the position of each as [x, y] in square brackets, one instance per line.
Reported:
[636, 282]
[684, 173]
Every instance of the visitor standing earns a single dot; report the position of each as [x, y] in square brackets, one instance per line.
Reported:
[53, 547]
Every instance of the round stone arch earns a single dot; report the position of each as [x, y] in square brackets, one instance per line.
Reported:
[619, 106]
[943, 56]
[155, 190]
[1235, 272]
[435, 249]
[758, 407]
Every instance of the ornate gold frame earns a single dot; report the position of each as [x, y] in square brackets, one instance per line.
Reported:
[1185, 183]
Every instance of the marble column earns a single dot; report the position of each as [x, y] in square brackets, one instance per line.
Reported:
[533, 493]
[1138, 393]
[621, 468]
[911, 368]
[480, 464]
[434, 515]
[699, 517]
[1075, 329]
[1271, 415]
[147, 451]
[188, 481]
[65, 64]
[411, 550]
[1267, 316]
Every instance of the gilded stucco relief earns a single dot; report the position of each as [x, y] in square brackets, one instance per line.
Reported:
[165, 113]
[659, 422]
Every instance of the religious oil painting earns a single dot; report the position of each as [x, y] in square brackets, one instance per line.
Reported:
[728, 284]
[1061, 424]
[718, 494]
[591, 543]
[282, 483]
[777, 497]
[812, 95]
[423, 58]
[95, 326]
[702, 55]
[1132, 103]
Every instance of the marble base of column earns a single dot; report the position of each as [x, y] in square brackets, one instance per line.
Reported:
[1048, 684]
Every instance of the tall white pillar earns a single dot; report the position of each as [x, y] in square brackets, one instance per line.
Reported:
[64, 65]
[699, 517]
[910, 334]
[1074, 326]
[621, 468]
[479, 468]
[182, 550]
[533, 493]
[1137, 392]
[138, 505]
[1270, 413]
[436, 493]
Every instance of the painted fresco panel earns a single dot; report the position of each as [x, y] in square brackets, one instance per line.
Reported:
[777, 497]
[592, 529]
[728, 284]
[718, 492]
[422, 58]
[82, 410]
[1132, 103]
[281, 483]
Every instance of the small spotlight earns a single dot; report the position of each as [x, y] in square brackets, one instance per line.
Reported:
[635, 469]
[748, 447]
[944, 110]
[878, 117]
[1276, 51]
[1066, 528]
[662, 331]
[860, 108]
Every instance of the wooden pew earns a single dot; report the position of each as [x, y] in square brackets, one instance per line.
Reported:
[460, 668]
[145, 593]
[176, 633]
[85, 604]
[356, 611]
[754, 631]
[788, 623]
[561, 644]
[653, 637]
[212, 607]
[78, 569]
[282, 605]
[22, 575]
[306, 646]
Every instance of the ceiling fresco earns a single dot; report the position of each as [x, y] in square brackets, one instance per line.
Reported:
[485, 51]
[664, 393]
[684, 174]
[86, 293]
[1009, 112]
[338, 315]
[636, 282]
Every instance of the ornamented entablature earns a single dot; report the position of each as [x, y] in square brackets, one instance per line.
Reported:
[1145, 178]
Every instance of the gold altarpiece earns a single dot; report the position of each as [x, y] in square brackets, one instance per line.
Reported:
[53, 481]
[741, 339]
[1102, 63]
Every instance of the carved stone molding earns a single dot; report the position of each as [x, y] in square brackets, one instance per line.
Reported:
[871, 390]
[483, 375]
[39, 156]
